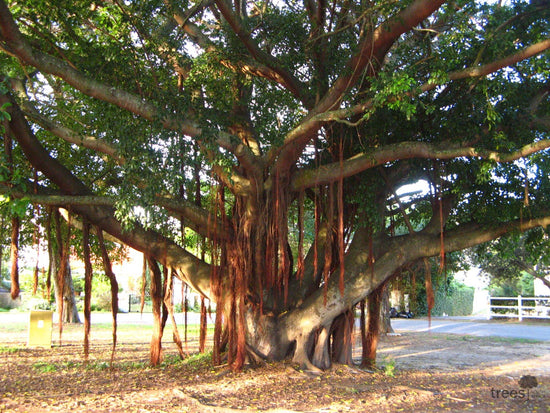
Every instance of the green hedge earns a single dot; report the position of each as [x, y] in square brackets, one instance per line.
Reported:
[457, 301]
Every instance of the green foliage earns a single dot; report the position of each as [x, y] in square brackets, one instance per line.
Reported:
[520, 285]
[17, 206]
[458, 300]
[135, 48]
[45, 367]
[512, 261]
[4, 115]
[199, 360]
[170, 360]
[391, 91]
[389, 366]
[452, 299]
[9, 350]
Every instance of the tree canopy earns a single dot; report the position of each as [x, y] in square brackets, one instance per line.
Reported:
[279, 134]
[508, 258]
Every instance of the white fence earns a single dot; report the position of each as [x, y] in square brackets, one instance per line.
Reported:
[519, 307]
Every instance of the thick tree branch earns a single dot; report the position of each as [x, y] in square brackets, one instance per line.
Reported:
[361, 279]
[279, 74]
[13, 43]
[196, 271]
[195, 217]
[311, 125]
[374, 47]
[492, 67]
[478, 71]
[371, 53]
[405, 150]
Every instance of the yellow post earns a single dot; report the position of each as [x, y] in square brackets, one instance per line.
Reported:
[40, 328]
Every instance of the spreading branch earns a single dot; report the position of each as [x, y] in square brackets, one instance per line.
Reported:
[13, 43]
[273, 68]
[469, 73]
[405, 150]
[371, 52]
[196, 271]
[195, 217]
[300, 135]
[361, 279]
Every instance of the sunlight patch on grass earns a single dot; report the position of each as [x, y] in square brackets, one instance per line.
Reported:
[418, 353]
[9, 350]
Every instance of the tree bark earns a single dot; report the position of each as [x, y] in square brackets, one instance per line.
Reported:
[88, 274]
[14, 256]
[156, 296]
[385, 320]
[70, 311]
[342, 338]
[370, 340]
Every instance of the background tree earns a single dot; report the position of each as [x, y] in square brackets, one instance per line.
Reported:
[284, 117]
[509, 259]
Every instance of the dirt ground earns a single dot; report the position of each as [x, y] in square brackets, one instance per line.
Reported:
[418, 372]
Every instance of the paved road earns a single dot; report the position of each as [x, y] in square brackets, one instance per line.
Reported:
[475, 327]
[464, 325]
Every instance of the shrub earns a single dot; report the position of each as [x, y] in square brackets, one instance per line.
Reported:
[456, 300]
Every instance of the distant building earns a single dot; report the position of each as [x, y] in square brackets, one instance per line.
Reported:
[541, 290]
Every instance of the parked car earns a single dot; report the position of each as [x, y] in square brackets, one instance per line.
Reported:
[400, 314]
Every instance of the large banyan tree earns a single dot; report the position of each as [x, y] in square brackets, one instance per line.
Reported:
[257, 150]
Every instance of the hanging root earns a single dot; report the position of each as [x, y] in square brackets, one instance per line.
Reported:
[168, 302]
[328, 247]
[300, 266]
[63, 257]
[15, 225]
[430, 297]
[114, 288]
[156, 297]
[370, 339]
[88, 273]
[340, 231]
[203, 326]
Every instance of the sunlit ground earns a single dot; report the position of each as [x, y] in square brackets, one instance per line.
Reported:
[418, 372]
